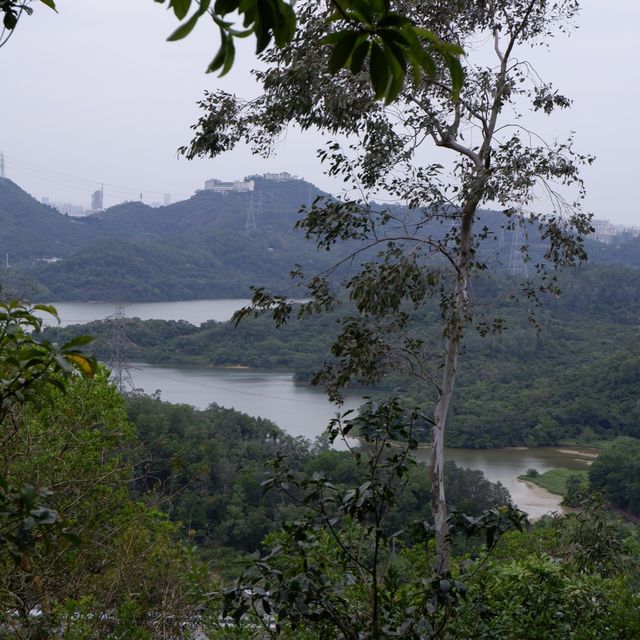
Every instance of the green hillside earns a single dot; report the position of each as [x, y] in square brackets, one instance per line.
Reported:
[198, 248]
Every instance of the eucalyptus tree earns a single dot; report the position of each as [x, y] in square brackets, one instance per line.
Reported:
[428, 252]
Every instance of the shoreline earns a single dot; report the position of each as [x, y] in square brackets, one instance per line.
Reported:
[546, 498]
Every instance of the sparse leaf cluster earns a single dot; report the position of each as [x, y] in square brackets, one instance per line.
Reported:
[358, 31]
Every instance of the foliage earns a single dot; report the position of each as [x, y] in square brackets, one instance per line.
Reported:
[569, 577]
[123, 556]
[69, 530]
[205, 469]
[30, 365]
[414, 268]
[22, 513]
[30, 368]
[360, 30]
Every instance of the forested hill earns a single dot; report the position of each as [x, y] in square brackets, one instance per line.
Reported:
[30, 230]
[210, 246]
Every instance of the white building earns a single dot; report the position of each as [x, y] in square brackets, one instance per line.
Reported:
[226, 187]
[608, 232]
[279, 177]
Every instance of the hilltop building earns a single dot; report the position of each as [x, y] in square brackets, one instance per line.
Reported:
[227, 187]
[283, 176]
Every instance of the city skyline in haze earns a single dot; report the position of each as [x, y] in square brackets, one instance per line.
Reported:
[94, 95]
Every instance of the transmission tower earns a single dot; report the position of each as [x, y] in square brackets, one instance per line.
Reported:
[2, 164]
[517, 264]
[118, 345]
[250, 223]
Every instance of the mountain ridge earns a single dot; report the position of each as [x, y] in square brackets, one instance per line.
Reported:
[211, 245]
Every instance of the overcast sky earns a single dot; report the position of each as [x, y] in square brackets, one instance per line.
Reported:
[94, 94]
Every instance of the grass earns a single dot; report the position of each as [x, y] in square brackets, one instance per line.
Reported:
[555, 480]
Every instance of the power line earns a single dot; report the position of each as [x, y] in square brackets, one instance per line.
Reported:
[77, 182]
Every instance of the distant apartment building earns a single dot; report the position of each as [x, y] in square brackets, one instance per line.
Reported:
[607, 232]
[228, 187]
[69, 209]
[97, 200]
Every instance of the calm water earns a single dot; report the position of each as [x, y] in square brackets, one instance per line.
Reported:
[301, 410]
[194, 311]
[298, 409]
[505, 465]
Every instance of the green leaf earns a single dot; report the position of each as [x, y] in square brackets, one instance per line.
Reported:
[78, 341]
[264, 24]
[342, 50]
[219, 58]
[180, 8]
[47, 308]
[359, 55]
[229, 57]
[184, 29]
[223, 7]
[457, 75]
[379, 71]
[50, 3]
[285, 27]
[393, 51]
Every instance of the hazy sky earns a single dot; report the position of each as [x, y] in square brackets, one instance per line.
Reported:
[94, 94]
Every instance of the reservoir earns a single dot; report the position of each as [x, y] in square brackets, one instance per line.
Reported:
[301, 410]
[305, 411]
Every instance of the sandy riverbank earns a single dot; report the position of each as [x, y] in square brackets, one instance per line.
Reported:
[540, 501]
